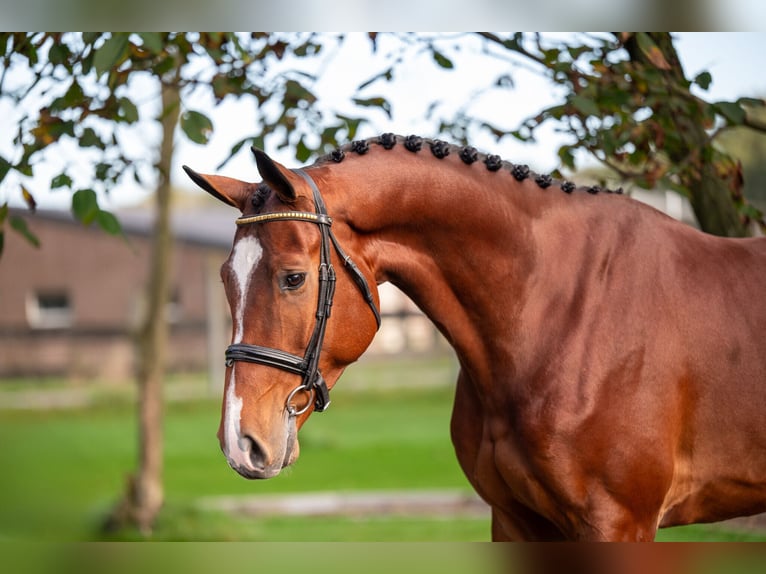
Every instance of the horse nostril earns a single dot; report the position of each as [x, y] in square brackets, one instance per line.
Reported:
[254, 451]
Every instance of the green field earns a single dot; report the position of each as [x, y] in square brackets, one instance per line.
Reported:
[62, 470]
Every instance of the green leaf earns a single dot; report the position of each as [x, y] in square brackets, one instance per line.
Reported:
[164, 66]
[234, 150]
[196, 126]
[442, 60]
[733, 112]
[108, 222]
[89, 138]
[90, 37]
[703, 80]
[296, 92]
[85, 206]
[128, 111]
[61, 180]
[153, 41]
[585, 106]
[302, 152]
[58, 54]
[567, 157]
[652, 51]
[387, 75]
[380, 102]
[110, 52]
[74, 96]
[19, 225]
[5, 167]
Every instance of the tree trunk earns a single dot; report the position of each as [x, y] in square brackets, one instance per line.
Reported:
[144, 496]
[707, 175]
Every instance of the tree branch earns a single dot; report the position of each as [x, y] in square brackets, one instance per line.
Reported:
[754, 124]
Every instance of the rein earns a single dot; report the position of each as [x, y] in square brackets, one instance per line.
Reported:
[308, 365]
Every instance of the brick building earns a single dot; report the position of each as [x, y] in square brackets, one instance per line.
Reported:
[72, 307]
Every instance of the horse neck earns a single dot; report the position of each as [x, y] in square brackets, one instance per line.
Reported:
[456, 239]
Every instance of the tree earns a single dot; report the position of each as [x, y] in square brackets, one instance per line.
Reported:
[750, 147]
[629, 104]
[80, 89]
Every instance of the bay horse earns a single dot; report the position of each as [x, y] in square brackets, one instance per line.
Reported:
[612, 360]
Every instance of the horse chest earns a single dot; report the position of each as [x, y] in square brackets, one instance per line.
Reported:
[493, 457]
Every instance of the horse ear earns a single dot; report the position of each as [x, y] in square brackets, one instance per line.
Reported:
[231, 191]
[275, 175]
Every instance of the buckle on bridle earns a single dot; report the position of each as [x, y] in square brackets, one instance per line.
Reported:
[320, 396]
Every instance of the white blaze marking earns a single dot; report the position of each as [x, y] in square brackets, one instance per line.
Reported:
[247, 254]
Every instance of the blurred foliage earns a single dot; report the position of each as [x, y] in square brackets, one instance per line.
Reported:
[86, 87]
[625, 101]
[750, 147]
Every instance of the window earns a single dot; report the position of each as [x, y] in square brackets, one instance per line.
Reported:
[49, 310]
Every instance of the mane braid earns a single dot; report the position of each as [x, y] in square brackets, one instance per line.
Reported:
[468, 155]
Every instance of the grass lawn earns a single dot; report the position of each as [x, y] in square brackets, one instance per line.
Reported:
[62, 470]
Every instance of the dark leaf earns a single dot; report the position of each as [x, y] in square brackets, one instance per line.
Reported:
[5, 167]
[567, 157]
[19, 225]
[703, 80]
[153, 41]
[89, 138]
[108, 222]
[28, 198]
[379, 102]
[555, 112]
[164, 66]
[234, 150]
[302, 152]
[196, 126]
[387, 75]
[85, 206]
[652, 51]
[733, 112]
[128, 111]
[61, 180]
[90, 37]
[442, 60]
[351, 124]
[296, 92]
[102, 171]
[585, 105]
[110, 53]
[58, 54]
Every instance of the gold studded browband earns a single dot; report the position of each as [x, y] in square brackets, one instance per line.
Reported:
[318, 218]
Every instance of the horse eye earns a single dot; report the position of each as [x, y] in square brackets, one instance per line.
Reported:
[295, 280]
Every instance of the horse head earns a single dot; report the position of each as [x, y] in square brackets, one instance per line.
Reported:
[280, 282]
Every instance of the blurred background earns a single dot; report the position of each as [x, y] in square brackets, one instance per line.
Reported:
[108, 253]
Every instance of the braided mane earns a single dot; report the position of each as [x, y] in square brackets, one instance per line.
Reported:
[468, 154]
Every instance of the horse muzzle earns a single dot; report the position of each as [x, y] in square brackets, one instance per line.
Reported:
[254, 458]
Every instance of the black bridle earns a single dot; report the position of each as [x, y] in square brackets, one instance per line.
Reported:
[308, 365]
